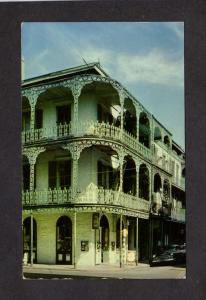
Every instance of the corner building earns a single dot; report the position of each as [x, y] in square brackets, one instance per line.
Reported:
[102, 178]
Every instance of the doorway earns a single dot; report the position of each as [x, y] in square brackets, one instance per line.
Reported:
[64, 241]
[27, 239]
[104, 230]
[143, 240]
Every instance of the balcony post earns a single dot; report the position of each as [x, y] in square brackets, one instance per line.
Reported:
[31, 182]
[137, 177]
[121, 173]
[121, 98]
[76, 89]
[31, 242]
[152, 132]
[150, 183]
[75, 150]
[74, 176]
[150, 239]
[32, 154]
[32, 96]
[137, 108]
[137, 246]
[75, 238]
[120, 246]
[151, 138]
[170, 195]
[32, 122]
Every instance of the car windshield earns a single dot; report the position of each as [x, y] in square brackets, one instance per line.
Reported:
[169, 248]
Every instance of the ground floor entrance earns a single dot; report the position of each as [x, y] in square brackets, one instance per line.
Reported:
[104, 239]
[71, 239]
[30, 239]
[64, 241]
[143, 238]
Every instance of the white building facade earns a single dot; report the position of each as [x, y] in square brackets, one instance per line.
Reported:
[97, 168]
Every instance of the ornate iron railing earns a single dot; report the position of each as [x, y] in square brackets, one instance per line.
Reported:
[179, 182]
[55, 132]
[87, 128]
[92, 195]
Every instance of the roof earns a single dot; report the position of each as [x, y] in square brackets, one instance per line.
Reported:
[177, 147]
[92, 68]
[158, 122]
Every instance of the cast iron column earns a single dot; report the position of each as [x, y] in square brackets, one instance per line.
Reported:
[31, 235]
[120, 246]
[137, 252]
[75, 237]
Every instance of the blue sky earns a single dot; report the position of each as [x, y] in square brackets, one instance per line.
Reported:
[146, 57]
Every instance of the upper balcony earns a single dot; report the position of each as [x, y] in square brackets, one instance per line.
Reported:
[85, 129]
[99, 109]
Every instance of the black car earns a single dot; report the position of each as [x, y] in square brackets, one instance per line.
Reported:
[164, 255]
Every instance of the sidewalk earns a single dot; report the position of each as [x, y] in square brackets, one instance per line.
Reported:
[142, 271]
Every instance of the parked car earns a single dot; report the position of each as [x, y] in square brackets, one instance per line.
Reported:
[180, 254]
[164, 255]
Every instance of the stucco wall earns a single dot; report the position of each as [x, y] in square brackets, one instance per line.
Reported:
[46, 239]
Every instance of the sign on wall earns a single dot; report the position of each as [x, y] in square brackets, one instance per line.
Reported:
[95, 221]
[84, 245]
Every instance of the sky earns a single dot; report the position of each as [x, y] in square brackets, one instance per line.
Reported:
[145, 57]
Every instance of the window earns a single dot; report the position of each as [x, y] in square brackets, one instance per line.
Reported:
[107, 177]
[38, 118]
[26, 176]
[52, 174]
[60, 174]
[144, 130]
[64, 169]
[26, 121]
[103, 115]
[63, 114]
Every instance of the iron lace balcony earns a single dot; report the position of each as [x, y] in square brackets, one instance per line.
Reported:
[90, 128]
[92, 195]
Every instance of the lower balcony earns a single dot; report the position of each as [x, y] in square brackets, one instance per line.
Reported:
[95, 196]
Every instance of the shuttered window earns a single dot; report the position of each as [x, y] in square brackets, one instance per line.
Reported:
[26, 176]
[64, 169]
[39, 118]
[63, 114]
[60, 174]
[26, 121]
[52, 174]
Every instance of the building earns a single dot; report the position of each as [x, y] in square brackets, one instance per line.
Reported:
[103, 180]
